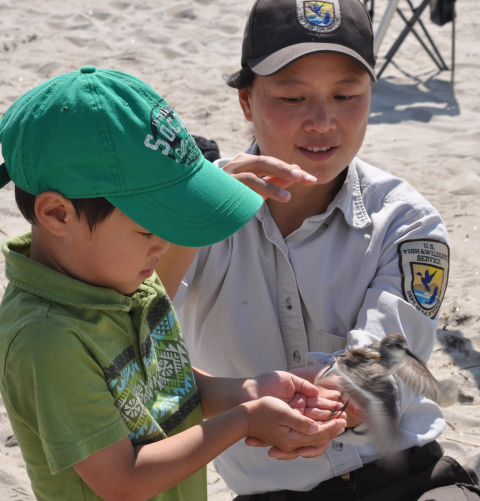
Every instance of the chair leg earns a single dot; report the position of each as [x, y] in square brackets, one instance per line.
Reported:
[437, 52]
[422, 43]
[403, 35]
[453, 43]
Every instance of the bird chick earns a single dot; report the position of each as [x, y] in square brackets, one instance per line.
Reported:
[363, 375]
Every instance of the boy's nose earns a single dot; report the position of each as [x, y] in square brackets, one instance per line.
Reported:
[160, 247]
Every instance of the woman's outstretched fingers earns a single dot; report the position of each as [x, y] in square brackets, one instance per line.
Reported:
[267, 176]
[263, 187]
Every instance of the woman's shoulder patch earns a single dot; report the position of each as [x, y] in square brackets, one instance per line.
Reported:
[424, 265]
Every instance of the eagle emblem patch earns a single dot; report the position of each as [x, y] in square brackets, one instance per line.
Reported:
[424, 266]
[317, 16]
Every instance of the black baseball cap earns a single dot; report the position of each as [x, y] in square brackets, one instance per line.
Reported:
[279, 32]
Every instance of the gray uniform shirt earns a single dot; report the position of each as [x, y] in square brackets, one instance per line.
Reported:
[258, 302]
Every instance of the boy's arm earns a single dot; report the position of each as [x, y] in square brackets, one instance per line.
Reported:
[123, 472]
[221, 394]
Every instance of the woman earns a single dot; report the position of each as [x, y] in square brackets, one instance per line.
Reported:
[354, 255]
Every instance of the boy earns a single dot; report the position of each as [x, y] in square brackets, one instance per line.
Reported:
[94, 372]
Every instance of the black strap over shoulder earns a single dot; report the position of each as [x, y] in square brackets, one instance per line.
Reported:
[208, 147]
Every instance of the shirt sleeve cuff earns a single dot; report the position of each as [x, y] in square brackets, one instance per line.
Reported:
[86, 446]
[320, 358]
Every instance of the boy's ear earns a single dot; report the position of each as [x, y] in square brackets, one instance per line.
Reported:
[244, 97]
[54, 212]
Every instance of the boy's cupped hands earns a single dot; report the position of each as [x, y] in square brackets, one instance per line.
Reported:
[298, 421]
[276, 409]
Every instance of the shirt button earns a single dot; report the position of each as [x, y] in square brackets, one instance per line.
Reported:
[324, 226]
[288, 303]
[297, 357]
[338, 446]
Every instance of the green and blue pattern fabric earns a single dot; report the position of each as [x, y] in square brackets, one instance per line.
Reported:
[152, 409]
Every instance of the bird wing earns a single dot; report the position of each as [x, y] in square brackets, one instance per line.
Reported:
[415, 374]
[375, 396]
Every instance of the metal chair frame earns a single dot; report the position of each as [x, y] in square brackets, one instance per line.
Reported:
[432, 51]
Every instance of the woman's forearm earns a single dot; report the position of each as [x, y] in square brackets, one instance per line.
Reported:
[173, 267]
[218, 394]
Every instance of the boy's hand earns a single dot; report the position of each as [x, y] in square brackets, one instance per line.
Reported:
[267, 176]
[329, 388]
[353, 413]
[272, 422]
[303, 397]
[298, 393]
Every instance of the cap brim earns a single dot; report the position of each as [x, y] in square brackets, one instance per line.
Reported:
[270, 64]
[203, 209]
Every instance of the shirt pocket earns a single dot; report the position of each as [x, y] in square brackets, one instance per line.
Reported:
[330, 343]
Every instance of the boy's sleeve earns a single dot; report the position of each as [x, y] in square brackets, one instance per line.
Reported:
[58, 389]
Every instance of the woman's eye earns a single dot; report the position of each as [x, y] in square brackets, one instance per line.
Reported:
[292, 99]
[343, 98]
[148, 236]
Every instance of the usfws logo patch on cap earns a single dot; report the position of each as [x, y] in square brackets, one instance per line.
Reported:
[424, 267]
[321, 17]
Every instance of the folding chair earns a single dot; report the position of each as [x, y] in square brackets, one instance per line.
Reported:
[442, 12]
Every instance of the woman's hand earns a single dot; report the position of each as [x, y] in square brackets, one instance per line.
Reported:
[267, 176]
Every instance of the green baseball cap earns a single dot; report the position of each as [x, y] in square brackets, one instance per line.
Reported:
[104, 133]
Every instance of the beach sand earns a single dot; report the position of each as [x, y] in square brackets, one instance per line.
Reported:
[422, 128]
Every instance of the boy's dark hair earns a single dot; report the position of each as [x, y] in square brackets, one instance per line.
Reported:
[240, 79]
[93, 210]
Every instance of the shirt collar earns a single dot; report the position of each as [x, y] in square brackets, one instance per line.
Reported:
[349, 199]
[37, 279]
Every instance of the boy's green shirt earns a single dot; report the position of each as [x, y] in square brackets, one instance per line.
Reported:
[83, 367]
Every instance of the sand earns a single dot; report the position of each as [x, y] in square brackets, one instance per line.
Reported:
[422, 128]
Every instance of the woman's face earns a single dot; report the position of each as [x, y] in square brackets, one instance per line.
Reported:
[314, 113]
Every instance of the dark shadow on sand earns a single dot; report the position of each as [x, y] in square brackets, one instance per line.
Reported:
[419, 101]
[461, 351]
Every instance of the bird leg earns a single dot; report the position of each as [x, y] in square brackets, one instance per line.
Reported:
[337, 410]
